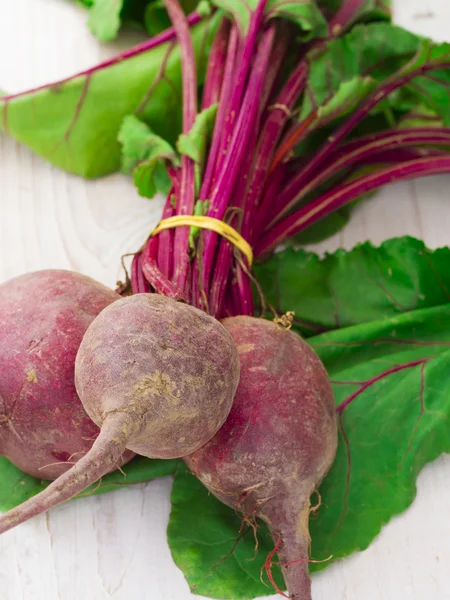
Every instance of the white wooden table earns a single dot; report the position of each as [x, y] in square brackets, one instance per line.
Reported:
[114, 546]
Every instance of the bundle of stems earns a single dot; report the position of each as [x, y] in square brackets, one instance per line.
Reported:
[252, 178]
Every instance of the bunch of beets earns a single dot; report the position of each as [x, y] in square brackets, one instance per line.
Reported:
[175, 364]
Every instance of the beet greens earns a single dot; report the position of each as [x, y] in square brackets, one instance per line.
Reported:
[304, 110]
[302, 129]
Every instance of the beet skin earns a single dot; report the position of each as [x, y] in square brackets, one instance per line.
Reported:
[278, 442]
[44, 428]
[158, 377]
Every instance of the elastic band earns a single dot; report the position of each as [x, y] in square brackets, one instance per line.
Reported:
[211, 224]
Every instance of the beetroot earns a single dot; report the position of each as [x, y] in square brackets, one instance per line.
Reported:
[44, 429]
[278, 442]
[158, 377]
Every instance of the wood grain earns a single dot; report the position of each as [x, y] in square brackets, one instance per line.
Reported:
[115, 546]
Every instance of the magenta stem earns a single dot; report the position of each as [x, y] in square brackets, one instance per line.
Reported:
[199, 297]
[186, 198]
[340, 196]
[139, 285]
[243, 68]
[165, 254]
[225, 253]
[281, 113]
[257, 172]
[246, 122]
[152, 273]
[224, 261]
[227, 87]
[354, 152]
[391, 84]
[216, 65]
[346, 15]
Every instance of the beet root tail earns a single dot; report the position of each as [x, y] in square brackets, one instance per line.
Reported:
[292, 542]
[104, 456]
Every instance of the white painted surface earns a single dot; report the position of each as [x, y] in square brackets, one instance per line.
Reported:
[115, 546]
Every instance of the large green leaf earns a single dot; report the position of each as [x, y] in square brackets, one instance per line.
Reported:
[392, 386]
[74, 123]
[391, 380]
[212, 546]
[364, 284]
[16, 487]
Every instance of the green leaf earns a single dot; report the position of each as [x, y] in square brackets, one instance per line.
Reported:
[347, 98]
[218, 559]
[399, 276]
[366, 57]
[144, 154]
[391, 380]
[107, 16]
[305, 14]
[395, 375]
[374, 10]
[74, 123]
[156, 18]
[432, 89]
[104, 19]
[195, 143]
[379, 10]
[376, 50]
[371, 10]
[16, 487]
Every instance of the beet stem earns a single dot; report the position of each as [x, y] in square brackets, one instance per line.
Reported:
[225, 94]
[216, 65]
[246, 122]
[343, 19]
[165, 257]
[139, 285]
[391, 84]
[235, 131]
[340, 196]
[104, 456]
[355, 152]
[345, 16]
[152, 273]
[186, 198]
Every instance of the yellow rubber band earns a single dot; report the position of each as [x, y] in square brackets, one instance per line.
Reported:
[211, 224]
